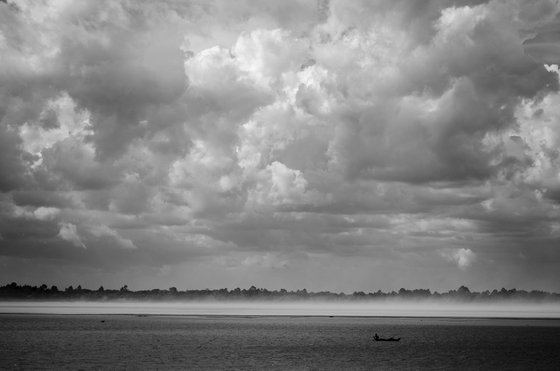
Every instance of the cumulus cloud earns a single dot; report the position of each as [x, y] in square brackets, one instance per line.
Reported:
[279, 185]
[40, 213]
[69, 232]
[283, 134]
[464, 258]
[46, 213]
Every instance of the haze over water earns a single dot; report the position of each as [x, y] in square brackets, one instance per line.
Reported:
[318, 308]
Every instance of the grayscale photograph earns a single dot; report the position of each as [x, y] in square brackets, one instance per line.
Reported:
[279, 184]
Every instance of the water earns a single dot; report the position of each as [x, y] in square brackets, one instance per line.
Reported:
[135, 342]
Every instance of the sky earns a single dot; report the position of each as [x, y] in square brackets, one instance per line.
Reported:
[328, 145]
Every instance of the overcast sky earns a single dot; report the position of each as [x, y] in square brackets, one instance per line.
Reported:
[331, 145]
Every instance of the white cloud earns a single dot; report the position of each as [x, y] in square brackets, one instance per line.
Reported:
[281, 185]
[40, 213]
[69, 232]
[46, 213]
[464, 258]
[267, 54]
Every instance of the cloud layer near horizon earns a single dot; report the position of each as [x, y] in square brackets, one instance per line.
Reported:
[329, 145]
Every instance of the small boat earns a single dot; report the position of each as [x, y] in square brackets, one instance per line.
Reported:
[386, 339]
[377, 338]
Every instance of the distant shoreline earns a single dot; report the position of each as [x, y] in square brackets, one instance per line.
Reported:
[463, 294]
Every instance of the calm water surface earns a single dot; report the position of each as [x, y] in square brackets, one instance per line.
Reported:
[135, 342]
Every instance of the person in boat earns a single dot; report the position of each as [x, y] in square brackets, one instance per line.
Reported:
[376, 337]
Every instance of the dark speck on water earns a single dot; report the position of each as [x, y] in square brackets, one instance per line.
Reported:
[72, 342]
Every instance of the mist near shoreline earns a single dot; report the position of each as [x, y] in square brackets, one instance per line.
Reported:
[318, 308]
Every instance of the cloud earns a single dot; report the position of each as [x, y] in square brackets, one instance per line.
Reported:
[541, 43]
[279, 185]
[46, 213]
[12, 161]
[282, 134]
[40, 213]
[69, 232]
[105, 231]
[464, 258]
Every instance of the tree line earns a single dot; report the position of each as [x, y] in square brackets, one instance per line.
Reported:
[13, 291]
